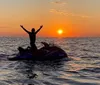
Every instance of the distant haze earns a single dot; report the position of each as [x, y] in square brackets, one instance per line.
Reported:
[77, 18]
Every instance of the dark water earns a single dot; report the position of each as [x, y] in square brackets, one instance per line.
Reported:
[83, 68]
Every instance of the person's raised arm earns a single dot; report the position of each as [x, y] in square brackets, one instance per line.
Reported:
[24, 29]
[39, 29]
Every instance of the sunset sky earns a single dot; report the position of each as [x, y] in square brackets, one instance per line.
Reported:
[77, 18]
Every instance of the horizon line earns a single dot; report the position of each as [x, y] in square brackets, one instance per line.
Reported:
[51, 37]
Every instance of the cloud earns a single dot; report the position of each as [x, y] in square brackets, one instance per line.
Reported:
[57, 11]
[58, 2]
[60, 10]
[68, 14]
[4, 27]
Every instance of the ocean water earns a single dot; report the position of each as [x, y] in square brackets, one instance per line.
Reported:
[82, 68]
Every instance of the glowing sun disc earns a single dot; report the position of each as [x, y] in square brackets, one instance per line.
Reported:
[60, 31]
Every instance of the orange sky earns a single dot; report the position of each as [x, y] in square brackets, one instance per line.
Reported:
[77, 18]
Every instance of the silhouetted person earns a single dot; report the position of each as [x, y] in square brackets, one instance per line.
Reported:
[32, 36]
[21, 50]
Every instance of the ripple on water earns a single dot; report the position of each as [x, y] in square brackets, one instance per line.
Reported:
[83, 68]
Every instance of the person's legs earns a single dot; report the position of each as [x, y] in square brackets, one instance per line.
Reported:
[33, 47]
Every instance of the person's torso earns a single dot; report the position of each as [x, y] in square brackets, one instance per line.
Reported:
[32, 37]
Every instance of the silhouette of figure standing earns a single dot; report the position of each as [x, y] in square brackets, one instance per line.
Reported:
[32, 36]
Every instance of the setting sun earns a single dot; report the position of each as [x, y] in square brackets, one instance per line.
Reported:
[60, 31]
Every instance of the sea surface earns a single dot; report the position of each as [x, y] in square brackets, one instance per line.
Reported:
[82, 67]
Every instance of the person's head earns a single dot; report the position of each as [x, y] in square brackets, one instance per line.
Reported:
[33, 30]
